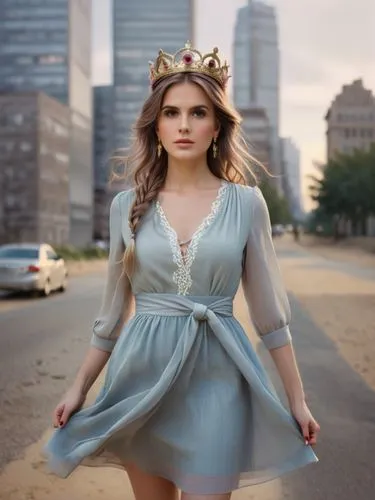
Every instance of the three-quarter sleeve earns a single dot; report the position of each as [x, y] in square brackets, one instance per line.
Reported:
[117, 293]
[262, 283]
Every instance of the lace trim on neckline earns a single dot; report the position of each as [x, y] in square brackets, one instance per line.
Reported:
[182, 276]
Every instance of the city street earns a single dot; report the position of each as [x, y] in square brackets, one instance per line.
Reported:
[42, 342]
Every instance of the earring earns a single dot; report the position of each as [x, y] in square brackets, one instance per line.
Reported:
[160, 148]
[214, 148]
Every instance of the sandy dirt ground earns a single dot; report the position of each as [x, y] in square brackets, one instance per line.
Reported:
[344, 251]
[343, 307]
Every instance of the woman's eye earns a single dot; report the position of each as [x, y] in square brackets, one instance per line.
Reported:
[169, 113]
[200, 113]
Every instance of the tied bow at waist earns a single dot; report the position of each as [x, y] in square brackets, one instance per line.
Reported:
[209, 309]
[215, 311]
[199, 308]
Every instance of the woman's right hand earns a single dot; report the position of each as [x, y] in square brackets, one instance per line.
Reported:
[69, 404]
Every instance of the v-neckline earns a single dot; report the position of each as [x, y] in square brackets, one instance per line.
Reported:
[182, 276]
[207, 219]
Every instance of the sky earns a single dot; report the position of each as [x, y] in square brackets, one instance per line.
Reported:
[324, 44]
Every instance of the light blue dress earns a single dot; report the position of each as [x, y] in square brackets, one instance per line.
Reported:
[185, 396]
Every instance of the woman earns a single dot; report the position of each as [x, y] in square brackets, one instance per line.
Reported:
[185, 402]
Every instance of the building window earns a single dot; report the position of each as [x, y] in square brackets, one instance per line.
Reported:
[10, 201]
[129, 53]
[51, 59]
[18, 119]
[24, 60]
[25, 146]
[61, 157]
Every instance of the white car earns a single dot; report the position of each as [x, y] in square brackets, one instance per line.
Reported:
[32, 267]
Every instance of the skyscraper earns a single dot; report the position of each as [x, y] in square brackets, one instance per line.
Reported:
[46, 46]
[291, 176]
[140, 29]
[102, 150]
[256, 61]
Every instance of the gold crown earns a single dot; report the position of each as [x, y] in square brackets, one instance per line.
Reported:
[189, 60]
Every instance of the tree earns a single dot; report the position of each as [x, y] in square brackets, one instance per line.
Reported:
[346, 190]
[277, 205]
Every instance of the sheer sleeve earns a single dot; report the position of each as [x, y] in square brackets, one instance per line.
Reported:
[262, 283]
[117, 292]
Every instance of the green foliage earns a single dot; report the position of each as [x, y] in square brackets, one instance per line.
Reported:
[277, 205]
[74, 253]
[346, 190]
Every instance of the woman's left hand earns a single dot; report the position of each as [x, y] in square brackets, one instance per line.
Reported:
[309, 426]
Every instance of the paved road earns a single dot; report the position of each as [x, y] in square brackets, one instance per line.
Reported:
[41, 344]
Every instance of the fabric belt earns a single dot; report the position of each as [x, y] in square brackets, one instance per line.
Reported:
[208, 309]
[199, 308]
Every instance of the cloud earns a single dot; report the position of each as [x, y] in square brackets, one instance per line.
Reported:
[327, 40]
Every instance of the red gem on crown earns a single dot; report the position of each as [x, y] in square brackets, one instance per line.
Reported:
[187, 58]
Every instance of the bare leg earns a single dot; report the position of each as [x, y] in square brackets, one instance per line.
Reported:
[188, 496]
[148, 487]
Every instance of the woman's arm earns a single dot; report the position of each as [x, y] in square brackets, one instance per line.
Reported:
[270, 310]
[115, 308]
[93, 363]
[287, 368]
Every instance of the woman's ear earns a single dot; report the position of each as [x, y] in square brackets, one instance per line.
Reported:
[217, 129]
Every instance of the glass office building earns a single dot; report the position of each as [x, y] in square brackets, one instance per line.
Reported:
[256, 66]
[140, 29]
[46, 46]
[102, 151]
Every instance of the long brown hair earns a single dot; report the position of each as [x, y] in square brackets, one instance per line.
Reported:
[147, 172]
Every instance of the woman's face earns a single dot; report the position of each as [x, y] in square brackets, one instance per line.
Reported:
[186, 125]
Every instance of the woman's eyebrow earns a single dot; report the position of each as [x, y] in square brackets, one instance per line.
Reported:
[170, 106]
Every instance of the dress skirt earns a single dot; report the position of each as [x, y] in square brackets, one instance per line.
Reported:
[186, 398]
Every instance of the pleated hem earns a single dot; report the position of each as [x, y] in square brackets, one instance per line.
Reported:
[192, 484]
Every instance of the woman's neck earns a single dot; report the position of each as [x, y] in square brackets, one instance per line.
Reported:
[185, 176]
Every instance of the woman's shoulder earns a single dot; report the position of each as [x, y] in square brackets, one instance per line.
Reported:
[250, 196]
[123, 199]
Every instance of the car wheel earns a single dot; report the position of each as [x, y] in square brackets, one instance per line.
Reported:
[47, 288]
[64, 284]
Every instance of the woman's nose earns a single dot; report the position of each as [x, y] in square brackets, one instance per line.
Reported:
[184, 125]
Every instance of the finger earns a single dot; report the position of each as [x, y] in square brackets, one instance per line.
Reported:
[65, 416]
[314, 429]
[305, 432]
[57, 415]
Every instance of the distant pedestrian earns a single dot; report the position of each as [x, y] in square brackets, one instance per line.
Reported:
[186, 403]
[296, 232]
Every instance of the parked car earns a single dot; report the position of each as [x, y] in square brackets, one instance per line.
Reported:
[277, 230]
[32, 267]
